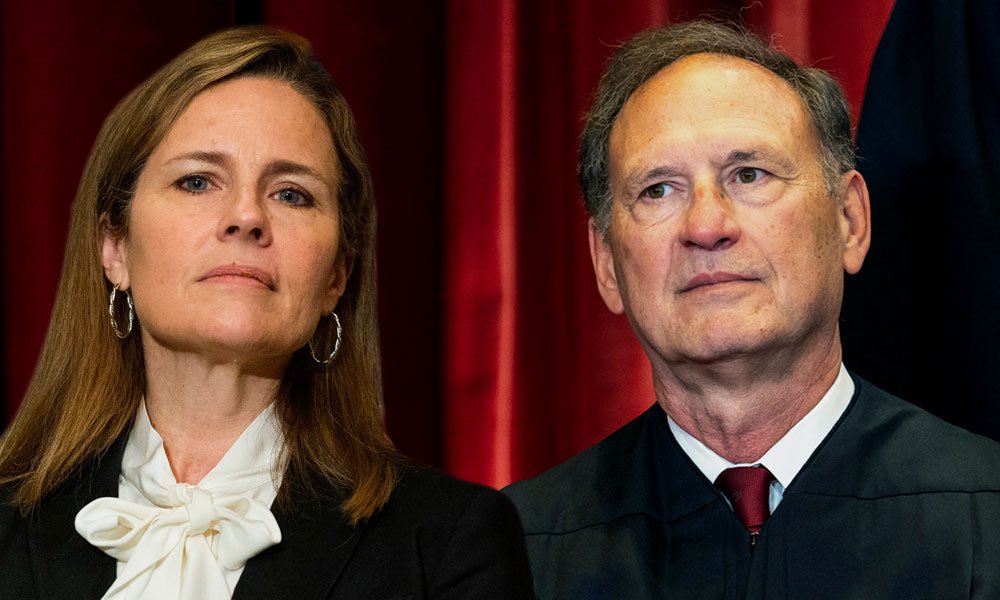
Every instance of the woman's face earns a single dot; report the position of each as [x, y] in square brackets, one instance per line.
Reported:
[233, 230]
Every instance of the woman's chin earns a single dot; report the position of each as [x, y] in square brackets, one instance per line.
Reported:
[225, 345]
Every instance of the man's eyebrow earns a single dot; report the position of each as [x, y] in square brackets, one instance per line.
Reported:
[742, 155]
[637, 178]
[642, 176]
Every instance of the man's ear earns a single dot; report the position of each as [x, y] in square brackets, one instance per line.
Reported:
[855, 221]
[113, 259]
[604, 269]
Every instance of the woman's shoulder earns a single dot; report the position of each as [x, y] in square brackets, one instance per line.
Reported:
[9, 512]
[425, 493]
[444, 536]
[13, 535]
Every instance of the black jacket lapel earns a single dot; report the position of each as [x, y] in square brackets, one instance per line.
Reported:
[66, 566]
[316, 544]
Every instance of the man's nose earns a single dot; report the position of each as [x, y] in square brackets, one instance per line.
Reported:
[246, 217]
[709, 220]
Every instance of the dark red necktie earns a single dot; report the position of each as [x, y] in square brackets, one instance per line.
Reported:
[748, 489]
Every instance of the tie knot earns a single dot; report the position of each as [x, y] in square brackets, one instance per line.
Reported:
[748, 489]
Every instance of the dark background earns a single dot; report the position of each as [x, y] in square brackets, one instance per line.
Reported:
[499, 357]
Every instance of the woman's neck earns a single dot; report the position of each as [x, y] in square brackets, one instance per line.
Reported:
[200, 408]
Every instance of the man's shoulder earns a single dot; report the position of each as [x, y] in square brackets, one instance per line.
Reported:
[581, 467]
[896, 447]
[598, 484]
[909, 428]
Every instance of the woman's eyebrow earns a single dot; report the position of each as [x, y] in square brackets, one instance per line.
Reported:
[214, 158]
[273, 168]
[290, 167]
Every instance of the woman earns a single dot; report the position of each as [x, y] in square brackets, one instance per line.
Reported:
[205, 418]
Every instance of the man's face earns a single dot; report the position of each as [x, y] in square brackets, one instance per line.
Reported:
[723, 241]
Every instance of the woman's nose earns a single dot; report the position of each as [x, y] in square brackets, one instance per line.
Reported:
[246, 218]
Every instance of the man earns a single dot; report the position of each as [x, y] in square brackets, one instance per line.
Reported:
[725, 208]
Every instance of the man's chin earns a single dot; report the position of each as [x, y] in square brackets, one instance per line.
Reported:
[722, 343]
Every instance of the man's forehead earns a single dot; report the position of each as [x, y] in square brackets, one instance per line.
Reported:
[737, 102]
[687, 70]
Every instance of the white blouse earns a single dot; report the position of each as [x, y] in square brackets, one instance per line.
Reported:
[183, 541]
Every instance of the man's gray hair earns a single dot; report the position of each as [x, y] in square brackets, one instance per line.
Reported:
[651, 51]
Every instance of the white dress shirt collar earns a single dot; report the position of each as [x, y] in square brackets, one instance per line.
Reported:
[787, 456]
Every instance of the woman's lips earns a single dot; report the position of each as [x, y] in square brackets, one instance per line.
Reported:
[240, 273]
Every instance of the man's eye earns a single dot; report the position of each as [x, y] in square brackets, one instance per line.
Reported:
[749, 175]
[194, 184]
[657, 190]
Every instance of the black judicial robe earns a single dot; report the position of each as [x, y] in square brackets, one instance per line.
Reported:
[894, 503]
[436, 538]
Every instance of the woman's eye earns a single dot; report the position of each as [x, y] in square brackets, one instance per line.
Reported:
[749, 175]
[292, 196]
[657, 190]
[194, 184]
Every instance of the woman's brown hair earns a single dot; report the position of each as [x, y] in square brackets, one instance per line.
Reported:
[88, 383]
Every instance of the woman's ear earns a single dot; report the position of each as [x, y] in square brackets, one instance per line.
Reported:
[113, 259]
[338, 282]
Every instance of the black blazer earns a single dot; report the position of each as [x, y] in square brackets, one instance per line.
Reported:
[436, 538]
[893, 504]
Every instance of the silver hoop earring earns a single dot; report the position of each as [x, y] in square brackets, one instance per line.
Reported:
[111, 312]
[336, 345]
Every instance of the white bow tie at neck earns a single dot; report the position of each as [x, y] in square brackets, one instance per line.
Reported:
[182, 548]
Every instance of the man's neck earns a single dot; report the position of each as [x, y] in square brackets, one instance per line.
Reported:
[741, 408]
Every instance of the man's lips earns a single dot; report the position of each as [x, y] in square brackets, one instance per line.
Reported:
[236, 271]
[709, 279]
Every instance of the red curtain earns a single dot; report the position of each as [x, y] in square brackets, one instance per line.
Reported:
[499, 357]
